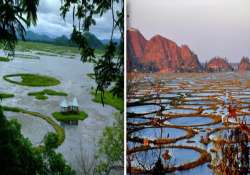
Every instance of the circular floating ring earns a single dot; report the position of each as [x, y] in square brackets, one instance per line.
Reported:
[34, 80]
[215, 120]
[160, 141]
[138, 121]
[204, 157]
[143, 109]
[58, 129]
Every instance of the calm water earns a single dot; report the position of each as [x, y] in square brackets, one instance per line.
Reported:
[74, 80]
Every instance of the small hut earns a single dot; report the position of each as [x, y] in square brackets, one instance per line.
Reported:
[75, 106]
[64, 106]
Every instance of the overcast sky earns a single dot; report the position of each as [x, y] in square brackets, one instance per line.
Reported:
[210, 27]
[51, 23]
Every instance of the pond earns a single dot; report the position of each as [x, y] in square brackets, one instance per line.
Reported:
[156, 133]
[189, 121]
[136, 120]
[199, 102]
[179, 111]
[143, 109]
[147, 159]
[244, 100]
[169, 95]
[194, 106]
[205, 94]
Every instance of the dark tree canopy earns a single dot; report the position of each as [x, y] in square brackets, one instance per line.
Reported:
[109, 67]
[17, 156]
[14, 14]
[16, 152]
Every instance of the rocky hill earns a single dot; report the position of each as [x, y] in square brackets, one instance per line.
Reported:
[244, 64]
[159, 54]
[218, 64]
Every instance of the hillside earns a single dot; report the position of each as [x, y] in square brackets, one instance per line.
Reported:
[63, 40]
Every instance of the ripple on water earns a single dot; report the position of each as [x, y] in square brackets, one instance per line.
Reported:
[143, 109]
[194, 106]
[188, 121]
[136, 120]
[156, 133]
[149, 158]
[199, 102]
[180, 111]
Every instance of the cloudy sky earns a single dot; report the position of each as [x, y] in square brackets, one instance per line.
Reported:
[51, 23]
[210, 27]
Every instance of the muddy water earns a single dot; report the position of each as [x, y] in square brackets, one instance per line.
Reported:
[74, 80]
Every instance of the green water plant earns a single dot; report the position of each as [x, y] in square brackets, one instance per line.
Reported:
[6, 95]
[64, 117]
[4, 59]
[34, 80]
[43, 95]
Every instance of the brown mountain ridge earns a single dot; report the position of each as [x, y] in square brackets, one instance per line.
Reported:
[160, 54]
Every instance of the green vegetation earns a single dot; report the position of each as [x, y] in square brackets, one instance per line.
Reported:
[32, 80]
[45, 47]
[59, 130]
[111, 146]
[6, 95]
[109, 99]
[93, 41]
[4, 59]
[109, 68]
[51, 49]
[91, 75]
[42, 95]
[18, 155]
[69, 116]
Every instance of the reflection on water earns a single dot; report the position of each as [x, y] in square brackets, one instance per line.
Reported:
[155, 133]
[149, 158]
[143, 109]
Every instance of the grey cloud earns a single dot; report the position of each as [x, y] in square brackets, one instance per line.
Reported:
[50, 22]
[210, 27]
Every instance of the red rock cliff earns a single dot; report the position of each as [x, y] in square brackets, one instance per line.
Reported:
[160, 54]
[244, 64]
[218, 64]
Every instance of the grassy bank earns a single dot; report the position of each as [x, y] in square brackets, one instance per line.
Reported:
[52, 48]
[59, 130]
[109, 99]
